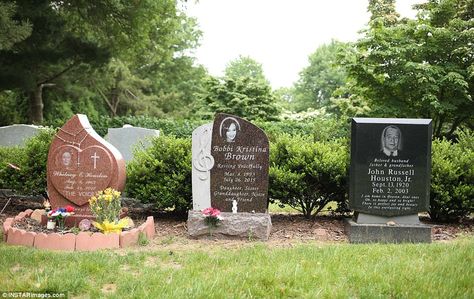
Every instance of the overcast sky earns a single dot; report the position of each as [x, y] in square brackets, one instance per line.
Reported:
[280, 34]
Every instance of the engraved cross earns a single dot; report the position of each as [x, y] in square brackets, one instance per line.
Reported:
[95, 157]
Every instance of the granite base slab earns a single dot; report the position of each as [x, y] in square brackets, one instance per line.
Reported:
[384, 233]
[249, 226]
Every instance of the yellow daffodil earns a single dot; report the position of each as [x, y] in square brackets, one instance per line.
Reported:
[111, 227]
[92, 200]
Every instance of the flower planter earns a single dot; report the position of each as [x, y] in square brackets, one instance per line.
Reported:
[84, 241]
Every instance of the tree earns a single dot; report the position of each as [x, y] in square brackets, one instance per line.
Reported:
[11, 31]
[245, 66]
[48, 53]
[148, 40]
[418, 68]
[245, 97]
[383, 11]
[165, 61]
[320, 79]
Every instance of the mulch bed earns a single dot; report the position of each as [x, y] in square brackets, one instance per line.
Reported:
[286, 227]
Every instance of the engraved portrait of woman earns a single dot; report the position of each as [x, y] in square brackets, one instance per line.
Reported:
[229, 129]
[66, 159]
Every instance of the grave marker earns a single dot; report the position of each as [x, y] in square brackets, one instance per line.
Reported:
[16, 135]
[230, 160]
[390, 173]
[127, 138]
[241, 159]
[81, 163]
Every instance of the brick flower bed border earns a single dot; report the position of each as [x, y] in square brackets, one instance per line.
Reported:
[84, 241]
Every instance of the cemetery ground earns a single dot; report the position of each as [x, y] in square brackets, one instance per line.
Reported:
[303, 258]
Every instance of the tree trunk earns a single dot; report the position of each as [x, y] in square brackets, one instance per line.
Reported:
[36, 105]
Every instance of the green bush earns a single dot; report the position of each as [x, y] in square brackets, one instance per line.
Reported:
[320, 129]
[11, 178]
[31, 159]
[36, 150]
[307, 175]
[162, 174]
[452, 179]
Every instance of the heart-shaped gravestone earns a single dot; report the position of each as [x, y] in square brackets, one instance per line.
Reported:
[78, 174]
[81, 163]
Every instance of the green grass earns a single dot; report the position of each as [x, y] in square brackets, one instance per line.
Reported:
[439, 270]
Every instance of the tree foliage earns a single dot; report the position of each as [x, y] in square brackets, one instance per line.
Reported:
[70, 48]
[320, 79]
[245, 66]
[11, 31]
[416, 68]
[245, 97]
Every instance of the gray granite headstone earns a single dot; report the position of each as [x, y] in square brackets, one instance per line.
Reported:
[128, 138]
[16, 135]
[241, 160]
[390, 175]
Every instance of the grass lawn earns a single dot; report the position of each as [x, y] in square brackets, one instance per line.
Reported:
[438, 270]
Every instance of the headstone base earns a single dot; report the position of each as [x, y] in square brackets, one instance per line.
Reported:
[250, 226]
[384, 233]
[412, 219]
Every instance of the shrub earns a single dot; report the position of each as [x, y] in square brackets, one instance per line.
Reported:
[162, 174]
[452, 188]
[31, 159]
[11, 178]
[307, 175]
[34, 168]
[321, 129]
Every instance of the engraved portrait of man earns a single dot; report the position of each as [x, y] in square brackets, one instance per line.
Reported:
[391, 141]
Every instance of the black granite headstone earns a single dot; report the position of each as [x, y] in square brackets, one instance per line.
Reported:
[390, 166]
[240, 172]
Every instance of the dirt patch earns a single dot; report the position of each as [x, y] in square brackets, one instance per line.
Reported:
[287, 230]
[31, 225]
[109, 288]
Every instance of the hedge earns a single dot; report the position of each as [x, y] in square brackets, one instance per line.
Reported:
[306, 172]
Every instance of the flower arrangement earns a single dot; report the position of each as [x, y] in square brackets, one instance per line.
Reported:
[212, 217]
[59, 215]
[106, 207]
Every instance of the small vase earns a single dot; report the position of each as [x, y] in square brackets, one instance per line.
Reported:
[50, 224]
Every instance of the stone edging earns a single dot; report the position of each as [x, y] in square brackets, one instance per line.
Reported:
[83, 241]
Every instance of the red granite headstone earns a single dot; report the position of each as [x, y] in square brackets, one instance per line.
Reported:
[241, 160]
[81, 163]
